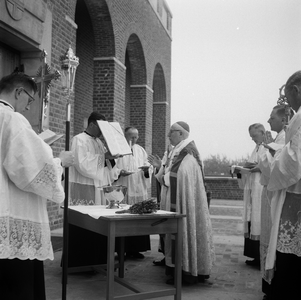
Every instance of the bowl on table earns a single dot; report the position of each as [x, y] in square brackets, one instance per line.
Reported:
[114, 195]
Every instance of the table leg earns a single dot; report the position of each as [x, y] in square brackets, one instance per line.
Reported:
[121, 258]
[178, 260]
[110, 261]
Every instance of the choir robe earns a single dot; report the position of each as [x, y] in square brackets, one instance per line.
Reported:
[137, 185]
[29, 175]
[264, 163]
[183, 191]
[252, 207]
[91, 171]
[284, 252]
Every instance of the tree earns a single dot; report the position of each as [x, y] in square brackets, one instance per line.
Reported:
[220, 166]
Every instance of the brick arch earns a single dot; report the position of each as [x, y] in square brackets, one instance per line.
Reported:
[85, 49]
[138, 95]
[160, 107]
[159, 85]
[136, 57]
[103, 27]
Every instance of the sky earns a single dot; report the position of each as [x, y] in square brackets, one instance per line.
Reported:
[229, 59]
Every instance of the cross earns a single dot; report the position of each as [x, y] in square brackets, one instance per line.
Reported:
[43, 79]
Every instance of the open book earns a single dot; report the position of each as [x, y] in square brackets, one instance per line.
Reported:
[114, 138]
[49, 136]
[239, 169]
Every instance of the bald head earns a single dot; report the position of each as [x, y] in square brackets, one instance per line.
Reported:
[131, 135]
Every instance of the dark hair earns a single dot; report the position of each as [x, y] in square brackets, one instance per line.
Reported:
[130, 128]
[281, 111]
[10, 82]
[96, 116]
[294, 79]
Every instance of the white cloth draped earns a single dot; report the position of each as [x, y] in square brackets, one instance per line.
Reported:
[89, 171]
[28, 177]
[136, 183]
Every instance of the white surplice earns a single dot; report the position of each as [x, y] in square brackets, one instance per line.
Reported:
[29, 176]
[89, 172]
[252, 198]
[264, 163]
[286, 178]
[137, 183]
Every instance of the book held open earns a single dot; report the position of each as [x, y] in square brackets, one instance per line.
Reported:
[114, 138]
[49, 137]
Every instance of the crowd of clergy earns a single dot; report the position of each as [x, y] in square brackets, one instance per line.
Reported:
[30, 175]
[271, 180]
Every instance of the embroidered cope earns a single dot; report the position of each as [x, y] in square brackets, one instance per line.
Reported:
[183, 191]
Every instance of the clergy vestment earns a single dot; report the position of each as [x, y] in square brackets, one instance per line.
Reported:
[29, 176]
[183, 191]
[137, 185]
[252, 207]
[264, 163]
[284, 252]
[90, 171]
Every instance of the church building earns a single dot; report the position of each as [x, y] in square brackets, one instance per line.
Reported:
[124, 71]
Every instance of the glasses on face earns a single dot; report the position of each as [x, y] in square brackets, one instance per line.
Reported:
[30, 98]
[172, 130]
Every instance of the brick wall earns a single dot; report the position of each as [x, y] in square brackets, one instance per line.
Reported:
[102, 34]
[224, 188]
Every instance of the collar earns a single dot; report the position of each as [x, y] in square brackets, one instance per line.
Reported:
[89, 134]
[7, 104]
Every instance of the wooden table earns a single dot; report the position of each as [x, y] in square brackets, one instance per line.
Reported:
[114, 225]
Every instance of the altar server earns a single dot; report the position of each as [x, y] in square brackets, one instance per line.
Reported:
[94, 167]
[183, 191]
[284, 252]
[29, 175]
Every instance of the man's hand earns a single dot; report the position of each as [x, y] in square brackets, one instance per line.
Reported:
[154, 160]
[67, 158]
[268, 137]
[254, 170]
[124, 173]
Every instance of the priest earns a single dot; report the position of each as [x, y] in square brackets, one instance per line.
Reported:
[252, 197]
[183, 191]
[29, 175]
[137, 185]
[277, 123]
[284, 252]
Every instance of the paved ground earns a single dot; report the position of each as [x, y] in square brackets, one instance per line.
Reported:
[231, 278]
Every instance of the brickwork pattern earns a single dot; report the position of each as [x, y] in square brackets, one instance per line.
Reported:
[224, 188]
[84, 74]
[109, 29]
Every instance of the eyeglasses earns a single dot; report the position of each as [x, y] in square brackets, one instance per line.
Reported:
[31, 99]
[172, 130]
